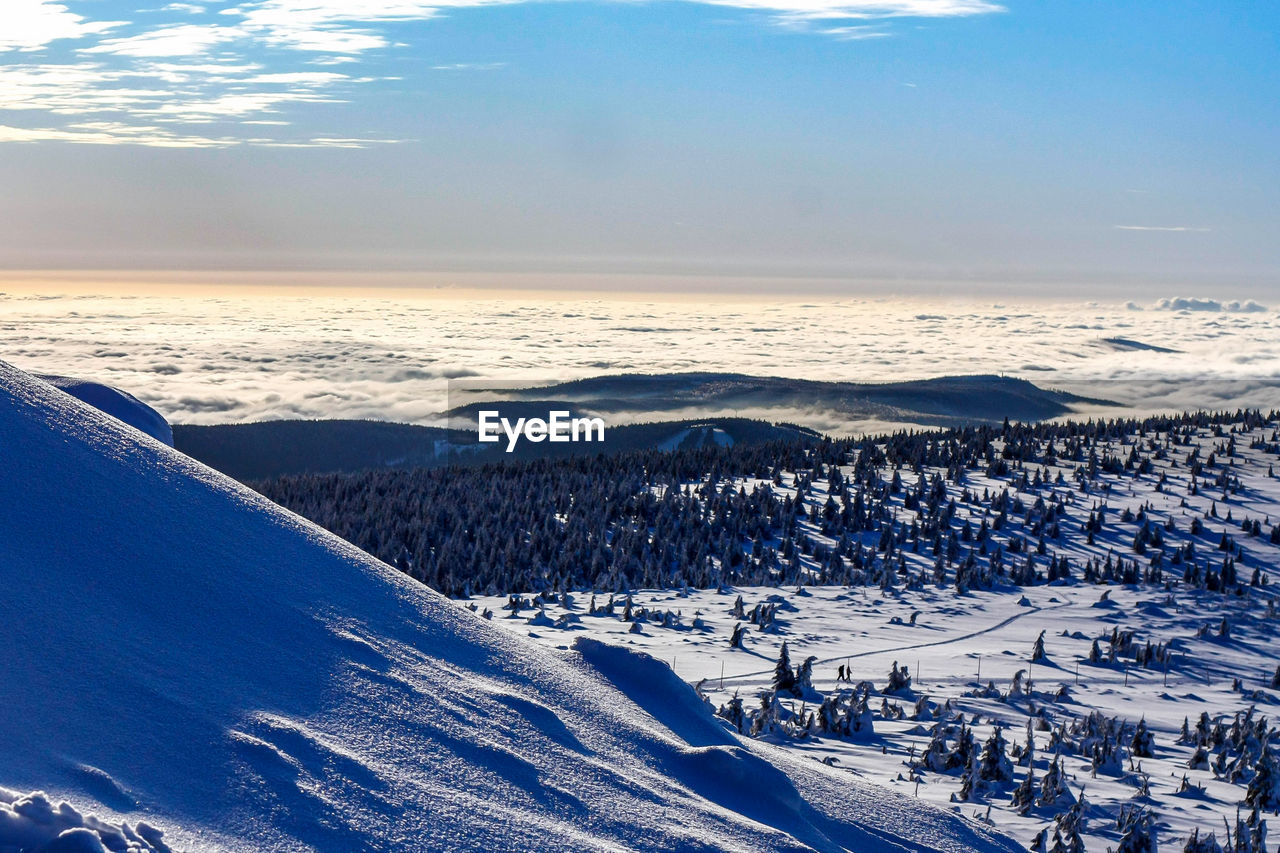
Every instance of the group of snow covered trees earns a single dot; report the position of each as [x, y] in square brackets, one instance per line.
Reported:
[1240, 750]
[827, 512]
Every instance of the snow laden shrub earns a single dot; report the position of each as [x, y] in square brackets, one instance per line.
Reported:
[1054, 791]
[768, 719]
[1024, 796]
[1263, 791]
[1037, 650]
[923, 710]
[899, 680]
[1207, 844]
[1070, 826]
[937, 755]
[1098, 737]
[1247, 836]
[1137, 831]
[735, 714]
[1025, 755]
[846, 715]
[1142, 743]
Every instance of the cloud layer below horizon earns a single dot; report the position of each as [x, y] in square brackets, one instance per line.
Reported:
[240, 359]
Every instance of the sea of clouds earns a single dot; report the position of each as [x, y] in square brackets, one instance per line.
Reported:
[390, 356]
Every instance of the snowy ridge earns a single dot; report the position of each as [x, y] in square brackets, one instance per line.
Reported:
[180, 653]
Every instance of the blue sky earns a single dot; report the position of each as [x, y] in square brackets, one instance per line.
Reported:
[949, 140]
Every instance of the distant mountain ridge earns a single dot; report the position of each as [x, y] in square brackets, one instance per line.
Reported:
[940, 401]
[643, 411]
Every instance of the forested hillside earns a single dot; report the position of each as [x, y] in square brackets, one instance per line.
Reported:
[714, 516]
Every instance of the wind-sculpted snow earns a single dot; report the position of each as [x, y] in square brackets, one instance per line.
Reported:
[33, 822]
[119, 404]
[180, 653]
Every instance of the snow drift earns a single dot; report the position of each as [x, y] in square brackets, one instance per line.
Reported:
[178, 654]
[121, 405]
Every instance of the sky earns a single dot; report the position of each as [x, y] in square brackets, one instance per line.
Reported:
[1126, 146]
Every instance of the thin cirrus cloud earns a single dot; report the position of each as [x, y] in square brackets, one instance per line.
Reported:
[163, 78]
[1175, 229]
[180, 40]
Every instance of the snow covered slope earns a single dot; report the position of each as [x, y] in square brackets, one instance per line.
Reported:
[119, 404]
[177, 651]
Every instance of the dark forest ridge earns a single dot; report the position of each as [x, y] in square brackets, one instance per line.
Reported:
[638, 401]
[942, 401]
[278, 448]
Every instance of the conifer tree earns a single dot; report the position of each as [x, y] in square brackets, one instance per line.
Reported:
[783, 676]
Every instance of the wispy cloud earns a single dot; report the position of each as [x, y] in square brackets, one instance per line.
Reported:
[191, 64]
[181, 40]
[112, 133]
[1173, 228]
[470, 66]
[187, 8]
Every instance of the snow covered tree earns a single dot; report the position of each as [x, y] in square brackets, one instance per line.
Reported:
[995, 769]
[1024, 796]
[804, 676]
[783, 676]
[969, 785]
[1026, 758]
[1137, 834]
[1141, 745]
[734, 713]
[1196, 844]
[1053, 786]
[1264, 788]
[899, 679]
[1037, 650]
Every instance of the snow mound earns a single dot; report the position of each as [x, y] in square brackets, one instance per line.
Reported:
[33, 822]
[119, 404]
[179, 652]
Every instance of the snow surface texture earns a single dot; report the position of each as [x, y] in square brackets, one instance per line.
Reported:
[180, 653]
[119, 404]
